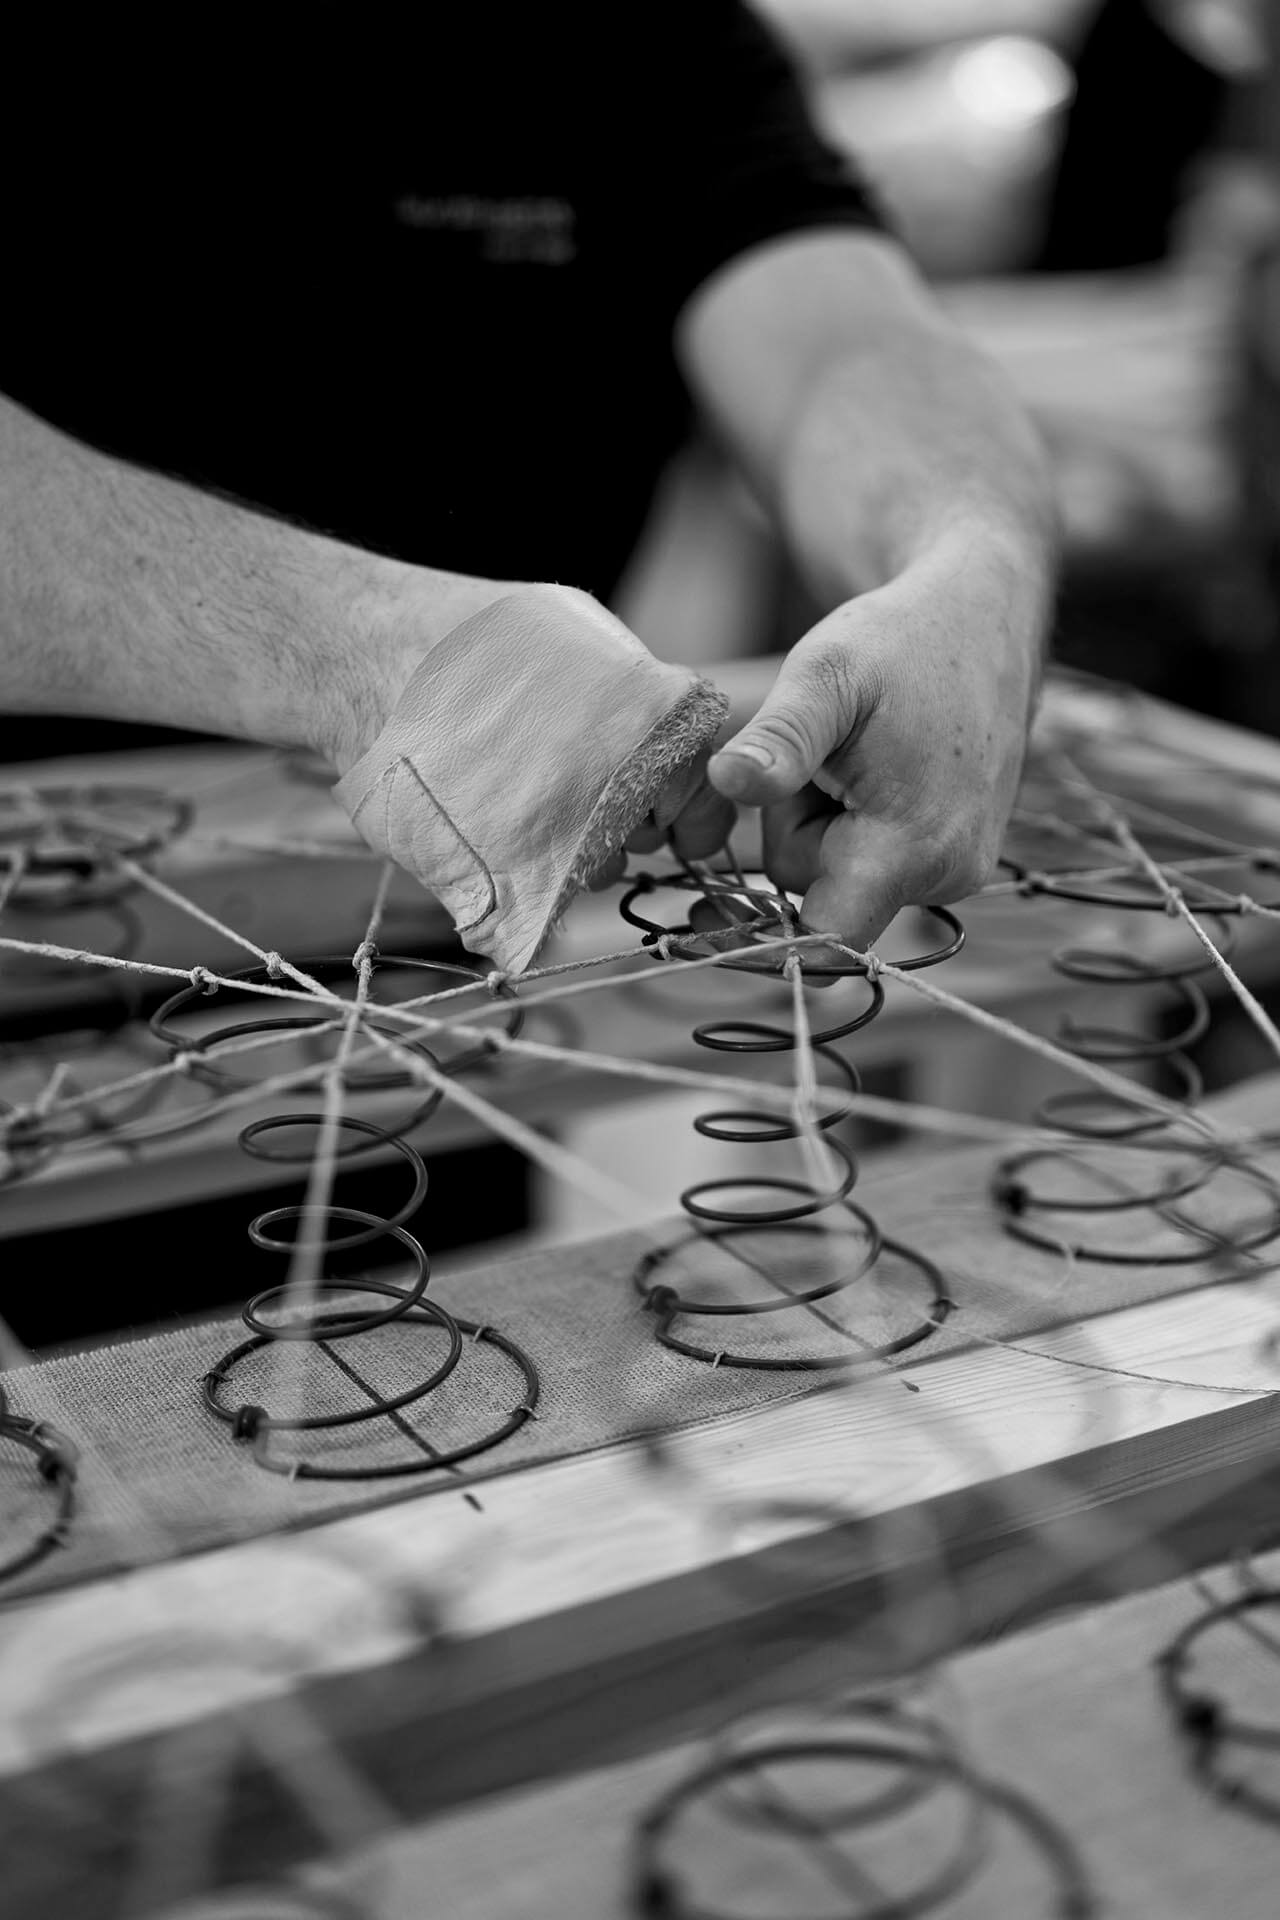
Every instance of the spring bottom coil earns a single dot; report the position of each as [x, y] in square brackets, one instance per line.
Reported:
[790, 1805]
[668, 1304]
[324, 1327]
[254, 1424]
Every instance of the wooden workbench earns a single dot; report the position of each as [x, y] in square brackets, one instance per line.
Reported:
[458, 1703]
[560, 1644]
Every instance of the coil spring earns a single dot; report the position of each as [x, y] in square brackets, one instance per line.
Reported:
[63, 844]
[56, 1460]
[1108, 1121]
[749, 916]
[1210, 1725]
[69, 839]
[744, 1783]
[279, 1230]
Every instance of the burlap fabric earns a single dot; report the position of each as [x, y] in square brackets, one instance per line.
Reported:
[160, 1475]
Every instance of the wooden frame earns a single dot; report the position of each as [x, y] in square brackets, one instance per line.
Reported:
[588, 1613]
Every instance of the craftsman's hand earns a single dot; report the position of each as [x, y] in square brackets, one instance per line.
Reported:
[519, 751]
[887, 754]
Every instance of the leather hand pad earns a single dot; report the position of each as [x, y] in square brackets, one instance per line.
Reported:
[527, 745]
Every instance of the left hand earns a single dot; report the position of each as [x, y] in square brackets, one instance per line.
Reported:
[888, 752]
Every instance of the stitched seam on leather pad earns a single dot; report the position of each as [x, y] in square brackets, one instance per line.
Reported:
[482, 874]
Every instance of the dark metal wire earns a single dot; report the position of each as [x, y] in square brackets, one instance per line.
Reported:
[768, 918]
[1108, 1121]
[369, 1227]
[1204, 1721]
[322, 1327]
[667, 1304]
[1141, 894]
[750, 915]
[885, 1712]
[248, 1421]
[674, 1301]
[328, 969]
[56, 1462]
[334, 1231]
[70, 843]
[24, 1142]
[660, 1893]
[69, 866]
[433, 1459]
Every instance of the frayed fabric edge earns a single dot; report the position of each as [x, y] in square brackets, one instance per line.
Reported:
[683, 732]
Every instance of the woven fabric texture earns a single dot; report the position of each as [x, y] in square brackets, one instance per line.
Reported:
[160, 1475]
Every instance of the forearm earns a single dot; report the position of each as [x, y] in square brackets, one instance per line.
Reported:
[831, 35]
[869, 426]
[905, 442]
[128, 595]
[915, 497]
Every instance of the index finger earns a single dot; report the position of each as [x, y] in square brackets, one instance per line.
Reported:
[867, 872]
[698, 820]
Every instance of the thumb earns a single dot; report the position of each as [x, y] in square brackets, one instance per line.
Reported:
[799, 725]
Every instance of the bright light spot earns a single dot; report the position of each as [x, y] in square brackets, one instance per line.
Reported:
[1009, 82]
[1226, 35]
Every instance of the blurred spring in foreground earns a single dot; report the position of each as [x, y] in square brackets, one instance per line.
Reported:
[869, 1774]
[61, 847]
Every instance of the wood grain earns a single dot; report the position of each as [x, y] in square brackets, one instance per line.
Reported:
[599, 1607]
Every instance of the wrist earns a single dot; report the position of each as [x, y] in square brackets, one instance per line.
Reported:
[384, 618]
[995, 578]
[902, 451]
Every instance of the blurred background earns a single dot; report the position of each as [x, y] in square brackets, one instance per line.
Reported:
[1092, 186]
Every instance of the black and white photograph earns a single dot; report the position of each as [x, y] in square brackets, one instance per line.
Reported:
[640, 961]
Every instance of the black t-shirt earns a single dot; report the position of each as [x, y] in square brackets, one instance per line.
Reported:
[410, 279]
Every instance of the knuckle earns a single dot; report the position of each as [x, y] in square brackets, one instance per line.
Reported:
[789, 872]
[786, 863]
[671, 801]
[701, 831]
[576, 609]
[834, 680]
[794, 728]
[574, 598]
[959, 861]
[824, 662]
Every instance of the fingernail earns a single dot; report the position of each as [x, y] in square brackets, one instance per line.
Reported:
[748, 750]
